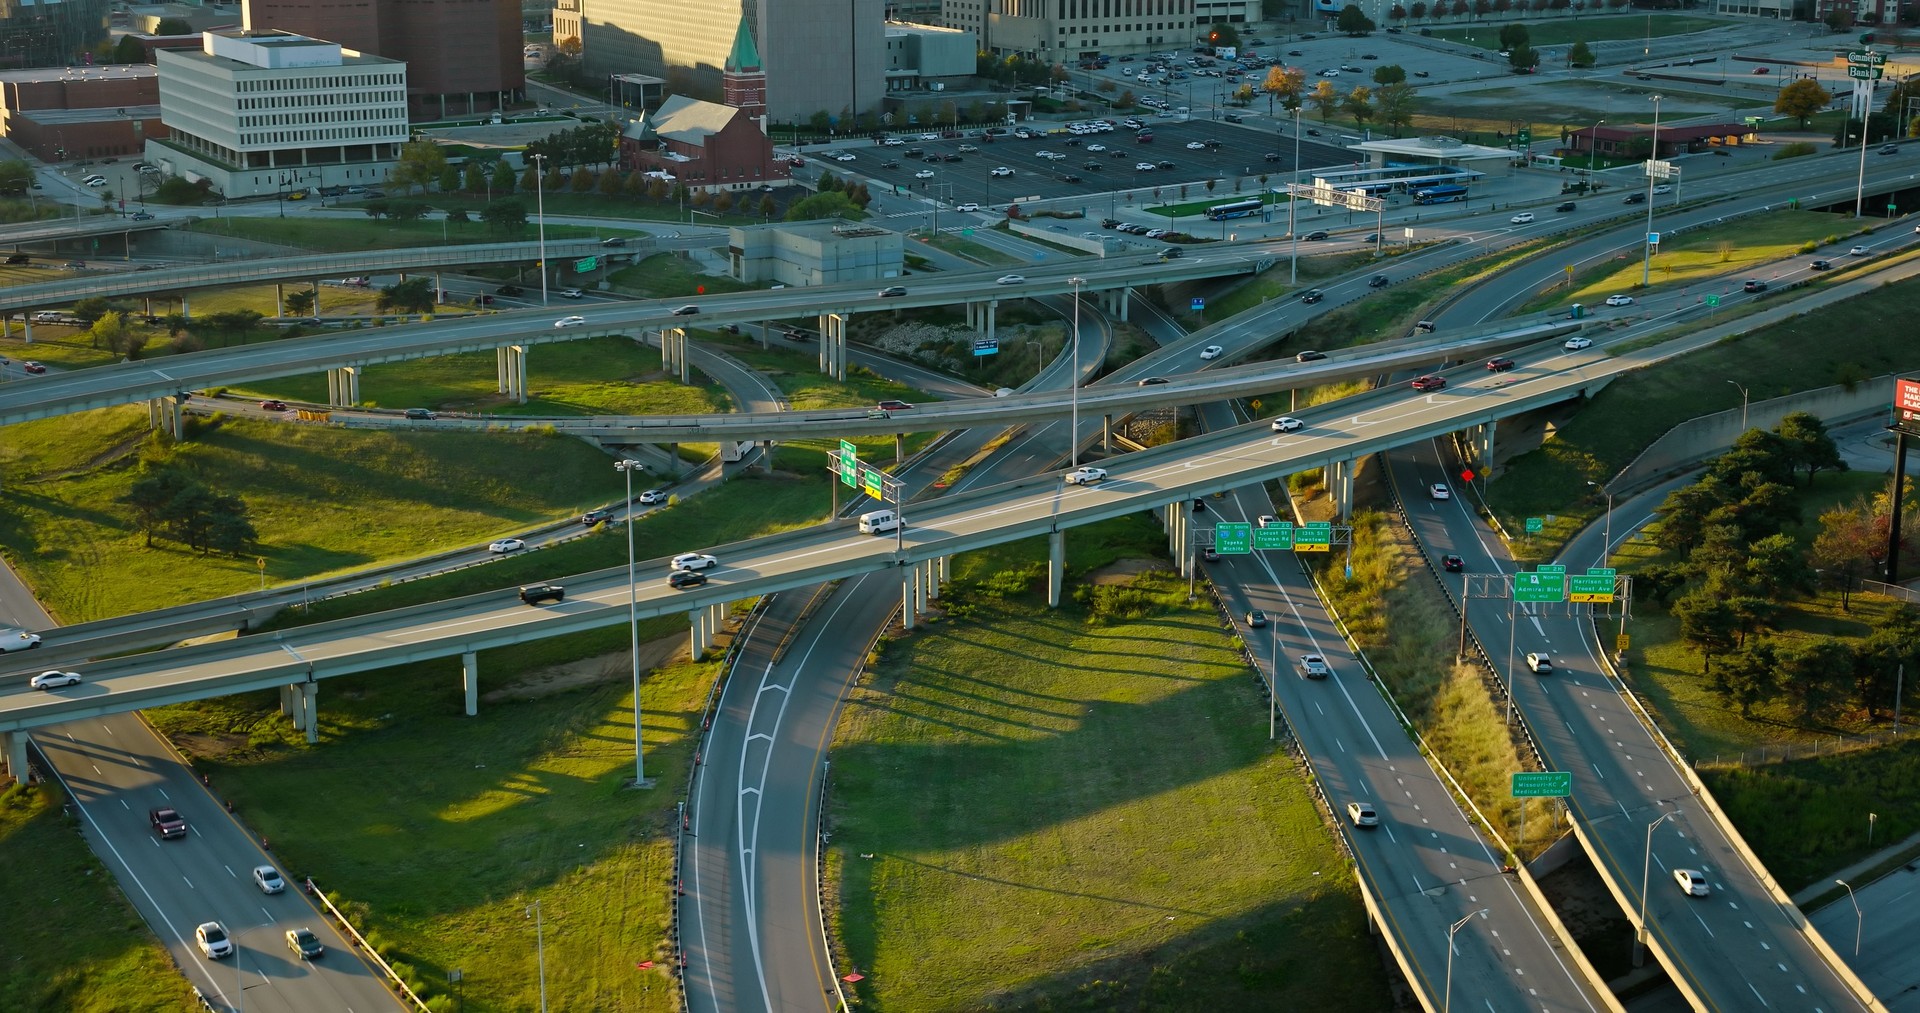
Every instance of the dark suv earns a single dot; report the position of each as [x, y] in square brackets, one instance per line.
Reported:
[167, 822]
[534, 594]
[1754, 286]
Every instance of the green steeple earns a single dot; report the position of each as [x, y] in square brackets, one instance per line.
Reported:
[745, 56]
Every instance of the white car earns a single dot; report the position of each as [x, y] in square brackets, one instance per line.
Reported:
[1044, 153]
[1522, 218]
[1086, 474]
[1000, 170]
[1287, 424]
[1663, 188]
[54, 679]
[1576, 343]
[968, 149]
[968, 206]
[893, 142]
[17, 640]
[1266, 521]
[929, 137]
[96, 182]
[652, 497]
[1858, 251]
[506, 545]
[694, 561]
[923, 174]
[1156, 233]
[1362, 814]
[1143, 167]
[1539, 663]
[1196, 146]
[571, 293]
[267, 878]
[213, 940]
[1096, 148]
[1212, 352]
[574, 321]
[1439, 490]
[1692, 882]
[844, 156]
[1619, 300]
[1313, 666]
[1011, 279]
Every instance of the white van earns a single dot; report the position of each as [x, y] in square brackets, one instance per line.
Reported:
[49, 317]
[879, 522]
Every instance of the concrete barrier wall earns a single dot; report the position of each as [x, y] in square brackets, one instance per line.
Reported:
[1042, 228]
[1697, 439]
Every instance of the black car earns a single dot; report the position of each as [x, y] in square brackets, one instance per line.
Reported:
[1311, 132]
[1093, 167]
[1166, 165]
[687, 311]
[932, 160]
[1564, 206]
[1754, 285]
[1452, 563]
[427, 414]
[1821, 265]
[1378, 281]
[952, 158]
[614, 241]
[1152, 380]
[1069, 178]
[592, 517]
[1635, 198]
[892, 291]
[1312, 295]
[507, 290]
[534, 594]
[1234, 118]
[1314, 235]
[1108, 223]
[890, 164]
[1309, 356]
[686, 578]
[18, 258]
[1272, 156]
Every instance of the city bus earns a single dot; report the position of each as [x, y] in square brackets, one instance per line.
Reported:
[1442, 194]
[1376, 189]
[1237, 209]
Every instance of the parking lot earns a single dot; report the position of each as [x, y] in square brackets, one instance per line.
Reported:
[962, 171]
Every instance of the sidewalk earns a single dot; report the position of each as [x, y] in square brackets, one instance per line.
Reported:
[1857, 869]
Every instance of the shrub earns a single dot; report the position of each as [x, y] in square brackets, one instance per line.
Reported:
[1794, 150]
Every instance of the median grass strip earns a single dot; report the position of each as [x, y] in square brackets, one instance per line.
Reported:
[350, 235]
[73, 943]
[1844, 343]
[1079, 808]
[437, 830]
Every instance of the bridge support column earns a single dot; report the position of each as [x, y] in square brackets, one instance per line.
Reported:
[1486, 434]
[681, 366]
[500, 370]
[279, 299]
[1056, 566]
[310, 710]
[517, 358]
[470, 681]
[343, 386]
[1106, 434]
[922, 585]
[934, 568]
[1339, 481]
[716, 621]
[1126, 297]
[698, 644]
[16, 750]
[907, 612]
[993, 308]
[899, 449]
[186, 311]
[166, 415]
[833, 345]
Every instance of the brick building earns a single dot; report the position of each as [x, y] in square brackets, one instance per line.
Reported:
[61, 113]
[462, 56]
[703, 145]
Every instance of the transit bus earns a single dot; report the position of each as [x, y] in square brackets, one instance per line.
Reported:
[1376, 189]
[1443, 194]
[1237, 209]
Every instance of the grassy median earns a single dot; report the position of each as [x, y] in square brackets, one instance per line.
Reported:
[1079, 808]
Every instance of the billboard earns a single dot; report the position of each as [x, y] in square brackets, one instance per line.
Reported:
[1906, 403]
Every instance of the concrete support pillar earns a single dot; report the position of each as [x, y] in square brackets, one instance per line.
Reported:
[500, 370]
[908, 599]
[167, 415]
[316, 297]
[343, 386]
[1339, 481]
[186, 311]
[1126, 299]
[935, 574]
[1183, 522]
[698, 644]
[973, 313]
[1056, 566]
[16, 750]
[678, 335]
[716, 617]
[438, 298]
[286, 702]
[993, 306]
[310, 710]
[833, 345]
[517, 356]
[279, 299]
[470, 681]
[921, 580]
[1106, 434]
[26, 320]
[899, 449]
[1487, 431]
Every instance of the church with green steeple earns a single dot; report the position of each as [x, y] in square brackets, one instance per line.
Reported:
[743, 84]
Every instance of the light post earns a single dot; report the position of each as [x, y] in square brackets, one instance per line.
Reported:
[540, 212]
[1859, 920]
[540, 945]
[627, 466]
[1446, 1000]
[1870, 818]
[1293, 263]
[1743, 405]
[1866, 116]
[1646, 260]
[1593, 147]
[1038, 349]
[1606, 547]
[1646, 873]
[1073, 434]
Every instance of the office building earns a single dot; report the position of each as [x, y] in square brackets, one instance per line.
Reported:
[50, 34]
[262, 112]
[1061, 31]
[64, 113]
[462, 56]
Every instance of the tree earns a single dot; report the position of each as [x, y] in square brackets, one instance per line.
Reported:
[611, 184]
[1747, 677]
[91, 308]
[16, 176]
[583, 180]
[1359, 105]
[723, 202]
[1706, 624]
[1580, 56]
[475, 178]
[1524, 59]
[1838, 19]
[420, 164]
[415, 295]
[1808, 445]
[1287, 83]
[129, 51]
[150, 496]
[299, 303]
[767, 205]
[1814, 674]
[450, 179]
[169, 501]
[1683, 515]
[1801, 100]
[1391, 73]
[1324, 99]
[1895, 641]
[1393, 105]
[504, 178]
[173, 26]
[1514, 35]
[112, 331]
[822, 205]
[1353, 21]
[507, 214]
[1658, 581]
[1223, 35]
[1778, 569]
[1851, 544]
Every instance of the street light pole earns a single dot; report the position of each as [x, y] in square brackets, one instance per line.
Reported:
[1293, 265]
[1606, 546]
[1646, 260]
[1073, 434]
[540, 211]
[1859, 920]
[1593, 147]
[1646, 873]
[540, 944]
[1866, 113]
[627, 466]
[1743, 405]
[1446, 1001]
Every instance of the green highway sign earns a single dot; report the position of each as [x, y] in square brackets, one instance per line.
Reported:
[585, 264]
[1713, 300]
[1551, 568]
[1314, 536]
[1595, 585]
[871, 484]
[849, 465]
[1233, 538]
[1274, 536]
[1535, 525]
[1542, 784]
[1539, 588]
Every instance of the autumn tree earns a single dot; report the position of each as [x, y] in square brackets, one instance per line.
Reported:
[1359, 105]
[420, 164]
[1325, 99]
[1801, 100]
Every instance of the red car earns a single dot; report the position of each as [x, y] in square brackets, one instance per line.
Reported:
[1499, 365]
[33, 367]
[273, 406]
[1425, 383]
